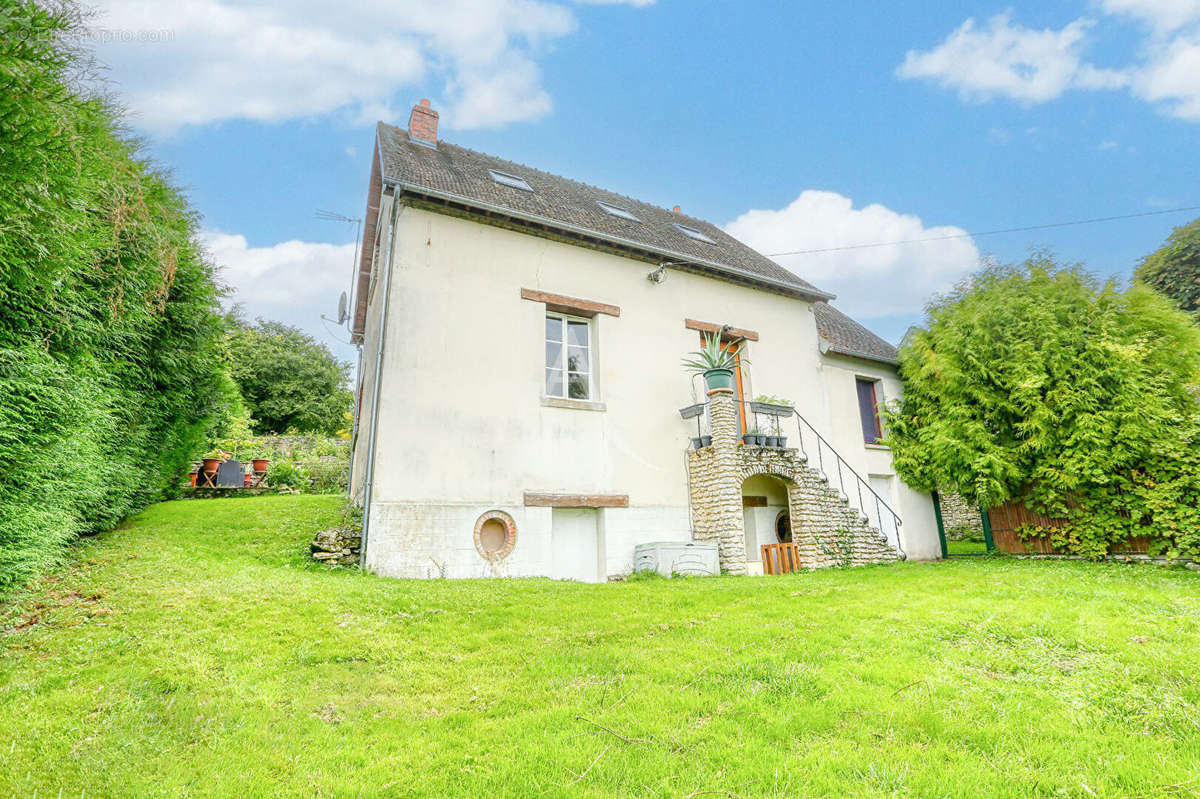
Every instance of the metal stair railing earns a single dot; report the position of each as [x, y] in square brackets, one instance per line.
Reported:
[882, 509]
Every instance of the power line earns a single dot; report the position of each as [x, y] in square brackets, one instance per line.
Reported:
[989, 232]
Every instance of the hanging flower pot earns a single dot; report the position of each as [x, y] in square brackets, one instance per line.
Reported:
[719, 379]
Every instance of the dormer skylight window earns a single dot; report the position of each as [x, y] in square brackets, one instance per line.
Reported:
[505, 179]
[617, 211]
[691, 232]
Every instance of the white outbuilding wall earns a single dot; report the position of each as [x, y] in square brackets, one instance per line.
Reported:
[464, 428]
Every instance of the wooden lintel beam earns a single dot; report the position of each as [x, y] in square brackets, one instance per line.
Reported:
[730, 333]
[535, 499]
[570, 305]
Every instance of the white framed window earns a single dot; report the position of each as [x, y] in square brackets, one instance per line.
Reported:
[569, 357]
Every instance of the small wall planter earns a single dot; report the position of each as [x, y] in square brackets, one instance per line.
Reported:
[772, 441]
[771, 409]
[699, 442]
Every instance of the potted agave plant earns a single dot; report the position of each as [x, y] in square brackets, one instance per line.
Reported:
[716, 361]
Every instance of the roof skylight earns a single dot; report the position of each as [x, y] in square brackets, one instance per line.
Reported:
[617, 211]
[506, 179]
[691, 232]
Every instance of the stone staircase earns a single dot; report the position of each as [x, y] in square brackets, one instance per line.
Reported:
[827, 528]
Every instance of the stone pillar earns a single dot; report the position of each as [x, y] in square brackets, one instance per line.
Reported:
[716, 489]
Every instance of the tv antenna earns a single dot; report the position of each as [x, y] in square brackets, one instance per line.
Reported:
[343, 311]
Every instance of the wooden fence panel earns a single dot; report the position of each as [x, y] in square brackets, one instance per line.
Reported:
[1008, 518]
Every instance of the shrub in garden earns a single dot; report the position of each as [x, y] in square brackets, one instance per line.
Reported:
[1038, 384]
[107, 308]
[282, 474]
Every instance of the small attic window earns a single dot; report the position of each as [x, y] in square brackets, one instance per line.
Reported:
[691, 232]
[617, 211]
[506, 179]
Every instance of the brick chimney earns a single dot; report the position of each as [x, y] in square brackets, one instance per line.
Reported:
[422, 124]
[675, 209]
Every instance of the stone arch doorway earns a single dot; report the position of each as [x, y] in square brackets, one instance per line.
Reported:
[766, 515]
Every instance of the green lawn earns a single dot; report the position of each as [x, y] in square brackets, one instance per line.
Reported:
[966, 548]
[195, 652]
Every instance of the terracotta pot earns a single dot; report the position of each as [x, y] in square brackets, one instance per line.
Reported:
[246, 480]
[211, 464]
[192, 479]
[260, 464]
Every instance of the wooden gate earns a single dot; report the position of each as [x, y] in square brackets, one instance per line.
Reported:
[780, 558]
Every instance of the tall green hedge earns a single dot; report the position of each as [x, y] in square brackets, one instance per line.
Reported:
[107, 308]
[1039, 384]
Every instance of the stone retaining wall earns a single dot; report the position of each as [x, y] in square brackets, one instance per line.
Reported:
[960, 519]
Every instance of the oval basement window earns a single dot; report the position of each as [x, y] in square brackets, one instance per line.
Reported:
[783, 527]
[495, 535]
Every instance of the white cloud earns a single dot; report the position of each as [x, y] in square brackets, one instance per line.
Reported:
[1163, 15]
[872, 281]
[1003, 59]
[1171, 76]
[292, 282]
[1033, 66]
[272, 60]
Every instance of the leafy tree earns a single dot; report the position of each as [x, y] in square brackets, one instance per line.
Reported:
[288, 380]
[1174, 268]
[107, 308]
[1036, 383]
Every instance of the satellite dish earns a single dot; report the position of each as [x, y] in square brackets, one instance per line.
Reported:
[342, 311]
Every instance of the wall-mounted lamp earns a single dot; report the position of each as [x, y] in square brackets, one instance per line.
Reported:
[660, 274]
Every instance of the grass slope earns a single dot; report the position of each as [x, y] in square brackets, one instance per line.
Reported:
[195, 652]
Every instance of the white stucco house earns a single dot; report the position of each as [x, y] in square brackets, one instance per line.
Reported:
[522, 410]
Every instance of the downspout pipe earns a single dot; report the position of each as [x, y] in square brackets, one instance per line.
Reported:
[354, 423]
[375, 392]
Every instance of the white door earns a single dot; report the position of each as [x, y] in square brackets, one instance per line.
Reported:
[880, 517]
[575, 545]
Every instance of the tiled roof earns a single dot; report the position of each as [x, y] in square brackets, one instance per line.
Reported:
[844, 336]
[458, 174]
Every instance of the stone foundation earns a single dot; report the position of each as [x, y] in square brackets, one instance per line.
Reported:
[826, 529]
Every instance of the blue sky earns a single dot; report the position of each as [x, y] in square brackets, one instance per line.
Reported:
[796, 125]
